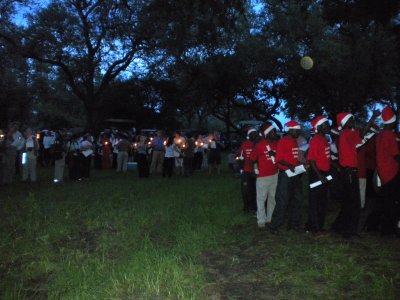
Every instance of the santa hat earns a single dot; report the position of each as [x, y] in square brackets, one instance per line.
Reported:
[266, 128]
[342, 118]
[292, 125]
[388, 115]
[249, 131]
[318, 121]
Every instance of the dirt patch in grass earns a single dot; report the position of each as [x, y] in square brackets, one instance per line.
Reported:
[238, 270]
[259, 265]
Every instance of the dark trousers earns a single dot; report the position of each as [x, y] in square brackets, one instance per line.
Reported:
[347, 221]
[198, 160]
[143, 165]
[318, 199]
[249, 193]
[288, 197]
[86, 166]
[168, 166]
[18, 163]
[114, 160]
[188, 166]
[386, 211]
[75, 167]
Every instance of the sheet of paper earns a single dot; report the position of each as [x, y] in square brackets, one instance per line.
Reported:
[319, 182]
[297, 170]
[366, 139]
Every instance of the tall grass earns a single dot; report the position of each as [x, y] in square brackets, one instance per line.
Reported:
[120, 237]
[113, 237]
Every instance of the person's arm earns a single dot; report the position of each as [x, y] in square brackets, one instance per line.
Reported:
[375, 114]
[320, 176]
[286, 164]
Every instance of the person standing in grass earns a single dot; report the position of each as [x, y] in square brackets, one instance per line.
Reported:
[388, 162]
[214, 154]
[169, 158]
[180, 143]
[347, 221]
[29, 156]
[288, 192]
[248, 180]
[59, 152]
[9, 157]
[158, 153]
[106, 152]
[188, 155]
[123, 147]
[143, 164]
[320, 165]
[86, 148]
[267, 177]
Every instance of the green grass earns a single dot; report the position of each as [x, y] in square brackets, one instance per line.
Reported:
[120, 237]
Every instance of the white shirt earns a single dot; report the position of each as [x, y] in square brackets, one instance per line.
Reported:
[19, 140]
[48, 141]
[29, 143]
[169, 151]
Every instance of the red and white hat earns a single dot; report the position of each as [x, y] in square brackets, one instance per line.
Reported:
[292, 125]
[249, 131]
[342, 118]
[266, 128]
[388, 115]
[318, 121]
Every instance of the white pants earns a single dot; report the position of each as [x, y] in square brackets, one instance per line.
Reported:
[59, 165]
[122, 161]
[29, 168]
[266, 188]
[363, 186]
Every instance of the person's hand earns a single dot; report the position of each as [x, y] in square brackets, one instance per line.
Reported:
[322, 178]
[291, 168]
[271, 153]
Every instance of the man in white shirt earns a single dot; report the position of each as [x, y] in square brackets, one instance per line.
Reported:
[29, 156]
[48, 141]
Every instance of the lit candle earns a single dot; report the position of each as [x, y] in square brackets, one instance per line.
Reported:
[38, 136]
[165, 143]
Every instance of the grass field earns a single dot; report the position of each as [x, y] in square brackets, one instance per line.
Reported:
[120, 237]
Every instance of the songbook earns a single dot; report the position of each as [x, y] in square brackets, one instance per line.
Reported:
[297, 171]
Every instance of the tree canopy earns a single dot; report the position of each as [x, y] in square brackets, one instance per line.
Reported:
[174, 62]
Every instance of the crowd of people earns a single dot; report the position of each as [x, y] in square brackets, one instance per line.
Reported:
[112, 149]
[337, 163]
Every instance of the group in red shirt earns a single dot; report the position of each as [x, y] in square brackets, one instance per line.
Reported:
[271, 161]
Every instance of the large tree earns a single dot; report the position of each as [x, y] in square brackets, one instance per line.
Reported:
[353, 64]
[93, 42]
